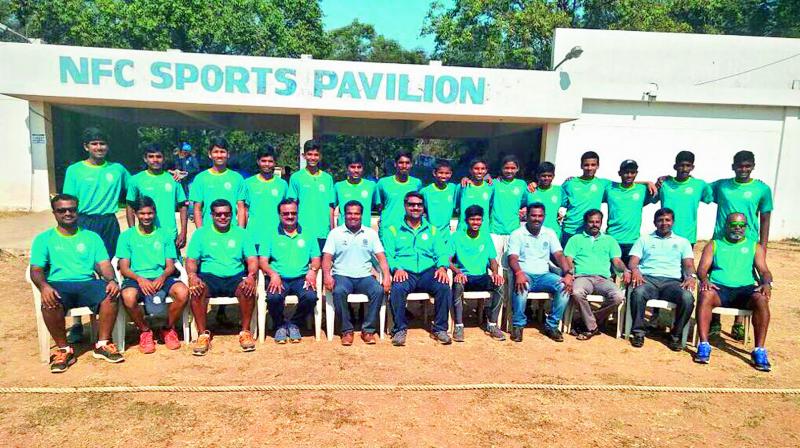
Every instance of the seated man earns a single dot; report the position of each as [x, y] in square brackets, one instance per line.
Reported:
[726, 279]
[290, 259]
[662, 267]
[419, 255]
[347, 269]
[473, 252]
[147, 261]
[529, 250]
[63, 264]
[221, 261]
[588, 255]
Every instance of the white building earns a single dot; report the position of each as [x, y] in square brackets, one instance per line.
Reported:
[635, 95]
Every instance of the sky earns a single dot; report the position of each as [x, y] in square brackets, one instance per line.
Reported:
[400, 20]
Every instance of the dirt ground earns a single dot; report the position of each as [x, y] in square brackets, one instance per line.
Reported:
[480, 418]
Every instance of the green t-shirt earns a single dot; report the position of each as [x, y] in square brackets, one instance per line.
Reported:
[508, 198]
[415, 250]
[553, 199]
[683, 198]
[581, 196]
[439, 205]
[732, 265]
[97, 187]
[391, 193]
[262, 198]
[363, 192]
[210, 185]
[68, 258]
[289, 255]
[751, 198]
[592, 256]
[223, 254]
[474, 195]
[472, 255]
[314, 192]
[165, 192]
[147, 253]
[625, 211]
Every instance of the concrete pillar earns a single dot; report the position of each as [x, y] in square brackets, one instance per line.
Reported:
[40, 125]
[549, 142]
[306, 133]
[785, 222]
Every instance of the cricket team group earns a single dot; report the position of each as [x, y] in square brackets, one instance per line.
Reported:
[527, 237]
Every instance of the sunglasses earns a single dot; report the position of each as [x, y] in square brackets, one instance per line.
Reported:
[288, 213]
[414, 204]
[63, 210]
[737, 224]
[223, 214]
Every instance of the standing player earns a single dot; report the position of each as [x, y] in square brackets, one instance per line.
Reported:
[392, 191]
[582, 194]
[682, 194]
[548, 195]
[476, 192]
[355, 188]
[218, 182]
[313, 189]
[166, 193]
[440, 197]
[626, 200]
[508, 202]
[98, 185]
[263, 193]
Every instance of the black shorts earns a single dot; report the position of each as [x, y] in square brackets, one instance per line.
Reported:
[106, 226]
[221, 286]
[735, 297]
[89, 293]
[128, 283]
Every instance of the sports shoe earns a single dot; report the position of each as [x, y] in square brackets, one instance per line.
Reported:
[715, 328]
[146, 343]
[458, 333]
[554, 334]
[516, 334]
[202, 345]
[703, 353]
[246, 341]
[170, 338]
[441, 337]
[368, 338]
[61, 359]
[399, 338]
[347, 339]
[108, 353]
[281, 335]
[75, 335]
[737, 332]
[495, 333]
[675, 344]
[294, 334]
[759, 359]
[637, 341]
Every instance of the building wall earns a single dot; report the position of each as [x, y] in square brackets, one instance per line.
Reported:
[15, 183]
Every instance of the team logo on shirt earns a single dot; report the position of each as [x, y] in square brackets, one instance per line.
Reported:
[80, 248]
[364, 242]
[485, 195]
[636, 196]
[745, 250]
[167, 187]
[274, 192]
[688, 190]
[157, 245]
[227, 185]
[321, 187]
[301, 243]
[593, 188]
[449, 199]
[748, 194]
[425, 236]
[109, 177]
[516, 190]
[553, 199]
[545, 245]
[480, 248]
[231, 244]
[364, 194]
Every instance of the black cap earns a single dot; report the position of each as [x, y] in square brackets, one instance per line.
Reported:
[628, 165]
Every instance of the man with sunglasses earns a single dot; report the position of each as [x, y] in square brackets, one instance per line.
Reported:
[418, 256]
[290, 260]
[64, 260]
[726, 280]
[221, 261]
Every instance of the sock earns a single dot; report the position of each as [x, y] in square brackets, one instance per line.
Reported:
[67, 349]
[459, 325]
[101, 343]
[491, 324]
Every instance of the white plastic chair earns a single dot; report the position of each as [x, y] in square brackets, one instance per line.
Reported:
[185, 316]
[747, 317]
[539, 298]
[215, 301]
[118, 333]
[423, 297]
[566, 324]
[263, 314]
[480, 296]
[654, 303]
[330, 311]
